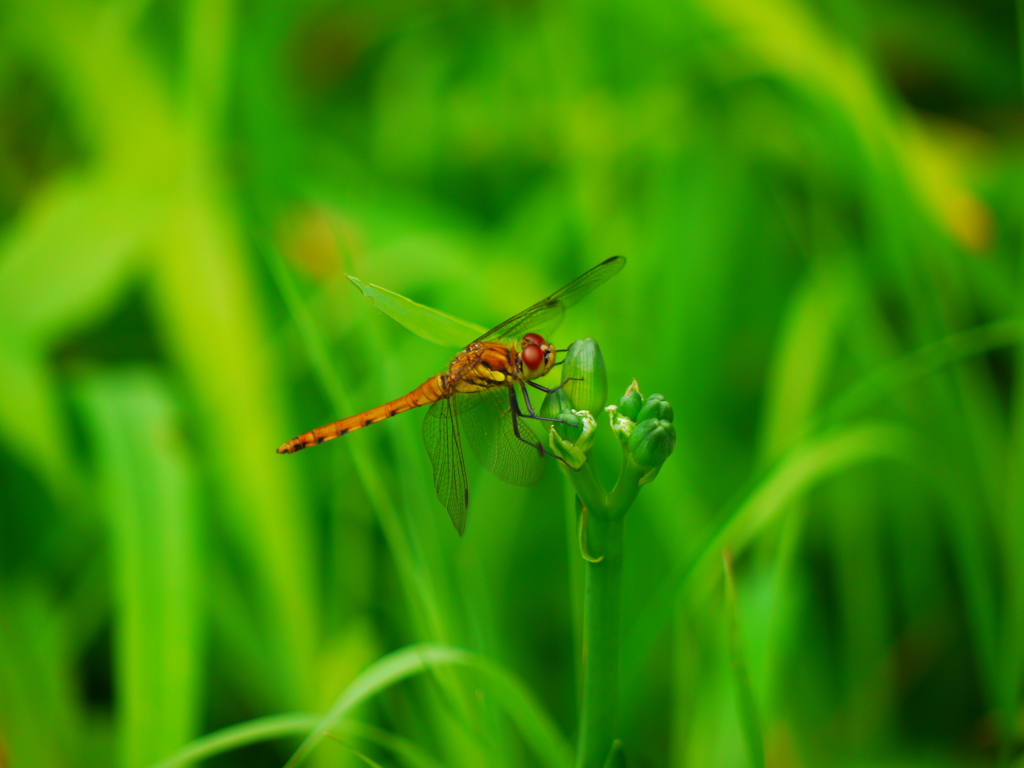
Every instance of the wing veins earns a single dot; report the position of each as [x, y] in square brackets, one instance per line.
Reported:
[548, 312]
[444, 447]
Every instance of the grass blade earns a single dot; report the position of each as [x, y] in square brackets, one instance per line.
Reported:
[753, 734]
[148, 491]
[533, 723]
[800, 469]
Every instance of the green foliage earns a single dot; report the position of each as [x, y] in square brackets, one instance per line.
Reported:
[820, 203]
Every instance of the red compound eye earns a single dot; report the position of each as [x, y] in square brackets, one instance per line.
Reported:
[533, 356]
[533, 338]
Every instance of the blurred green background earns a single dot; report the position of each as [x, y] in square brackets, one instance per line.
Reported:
[821, 204]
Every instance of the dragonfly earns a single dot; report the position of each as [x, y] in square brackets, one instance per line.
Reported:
[476, 398]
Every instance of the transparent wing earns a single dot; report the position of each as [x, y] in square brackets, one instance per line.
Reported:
[486, 419]
[544, 316]
[441, 436]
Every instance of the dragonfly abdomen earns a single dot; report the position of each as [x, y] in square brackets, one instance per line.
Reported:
[425, 393]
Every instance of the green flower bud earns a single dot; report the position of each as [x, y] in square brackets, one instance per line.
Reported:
[652, 441]
[586, 439]
[573, 452]
[555, 403]
[656, 407]
[571, 429]
[649, 477]
[586, 381]
[623, 415]
[631, 403]
[622, 427]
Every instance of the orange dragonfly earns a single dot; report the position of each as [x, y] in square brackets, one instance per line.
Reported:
[476, 397]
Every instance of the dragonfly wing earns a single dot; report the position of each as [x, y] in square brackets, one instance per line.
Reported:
[444, 446]
[544, 316]
[486, 419]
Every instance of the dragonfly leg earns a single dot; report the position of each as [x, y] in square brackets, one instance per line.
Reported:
[529, 406]
[548, 390]
[516, 413]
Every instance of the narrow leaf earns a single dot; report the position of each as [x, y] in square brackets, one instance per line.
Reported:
[281, 726]
[147, 488]
[753, 734]
[533, 722]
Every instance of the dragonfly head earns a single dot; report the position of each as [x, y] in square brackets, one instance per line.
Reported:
[537, 356]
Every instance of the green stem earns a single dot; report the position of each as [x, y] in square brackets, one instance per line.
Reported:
[602, 548]
[601, 631]
[628, 486]
[589, 488]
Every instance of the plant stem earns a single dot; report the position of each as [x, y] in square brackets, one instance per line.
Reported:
[602, 547]
[626, 489]
[588, 487]
[601, 632]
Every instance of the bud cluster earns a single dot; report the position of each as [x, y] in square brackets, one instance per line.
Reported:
[645, 428]
[643, 425]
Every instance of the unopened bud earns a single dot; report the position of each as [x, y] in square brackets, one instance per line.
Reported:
[622, 427]
[571, 426]
[656, 407]
[652, 441]
[631, 402]
[586, 381]
[554, 403]
[573, 452]
[623, 415]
